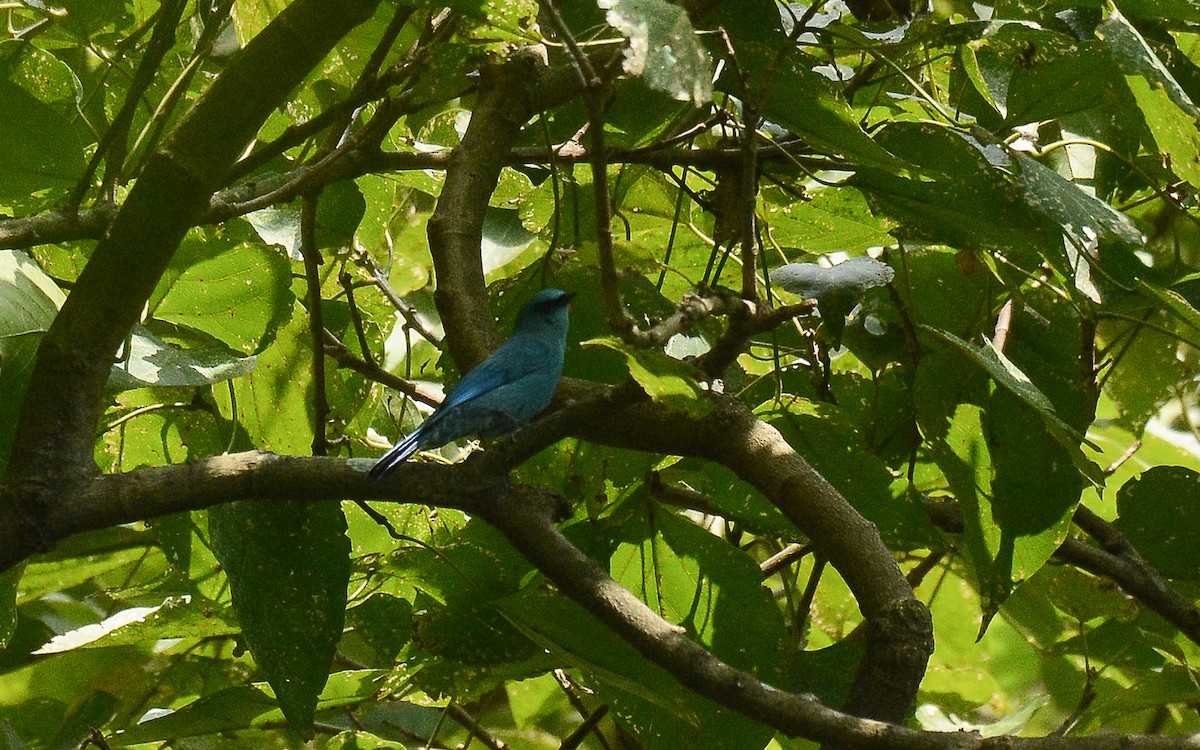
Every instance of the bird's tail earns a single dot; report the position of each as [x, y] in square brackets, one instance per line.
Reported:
[397, 455]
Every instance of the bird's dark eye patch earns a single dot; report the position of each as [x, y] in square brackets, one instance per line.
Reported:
[550, 305]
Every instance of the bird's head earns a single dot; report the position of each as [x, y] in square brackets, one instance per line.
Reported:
[546, 309]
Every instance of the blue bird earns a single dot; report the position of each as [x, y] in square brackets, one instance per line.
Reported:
[509, 388]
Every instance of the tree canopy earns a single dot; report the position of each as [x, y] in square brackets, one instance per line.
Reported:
[879, 420]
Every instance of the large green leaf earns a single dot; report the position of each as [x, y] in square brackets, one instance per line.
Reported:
[807, 103]
[1006, 373]
[963, 198]
[692, 578]
[1070, 207]
[1135, 56]
[1172, 126]
[963, 458]
[831, 219]
[836, 448]
[29, 300]
[1000, 558]
[288, 566]
[273, 403]
[237, 293]
[148, 361]
[665, 379]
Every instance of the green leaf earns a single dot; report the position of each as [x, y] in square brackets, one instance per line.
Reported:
[1173, 128]
[1129, 48]
[177, 617]
[340, 210]
[963, 458]
[224, 710]
[988, 72]
[663, 48]
[637, 689]
[831, 219]
[999, 558]
[1005, 373]
[384, 625]
[835, 446]
[95, 711]
[932, 719]
[279, 226]
[38, 146]
[29, 299]
[641, 694]
[944, 289]
[1172, 685]
[238, 293]
[1178, 307]
[273, 403]
[1074, 210]
[1145, 368]
[693, 579]
[1157, 513]
[288, 566]
[963, 198]
[731, 498]
[1035, 487]
[458, 632]
[664, 379]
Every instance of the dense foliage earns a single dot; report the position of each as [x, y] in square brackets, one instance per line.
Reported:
[949, 484]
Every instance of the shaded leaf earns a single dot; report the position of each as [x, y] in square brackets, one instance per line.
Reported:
[237, 293]
[243, 707]
[1005, 373]
[288, 566]
[1157, 512]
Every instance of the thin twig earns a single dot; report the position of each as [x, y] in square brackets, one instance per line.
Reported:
[340, 353]
[576, 737]
[784, 558]
[316, 321]
[468, 722]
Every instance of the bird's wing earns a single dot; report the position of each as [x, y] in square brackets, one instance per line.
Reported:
[513, 360]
